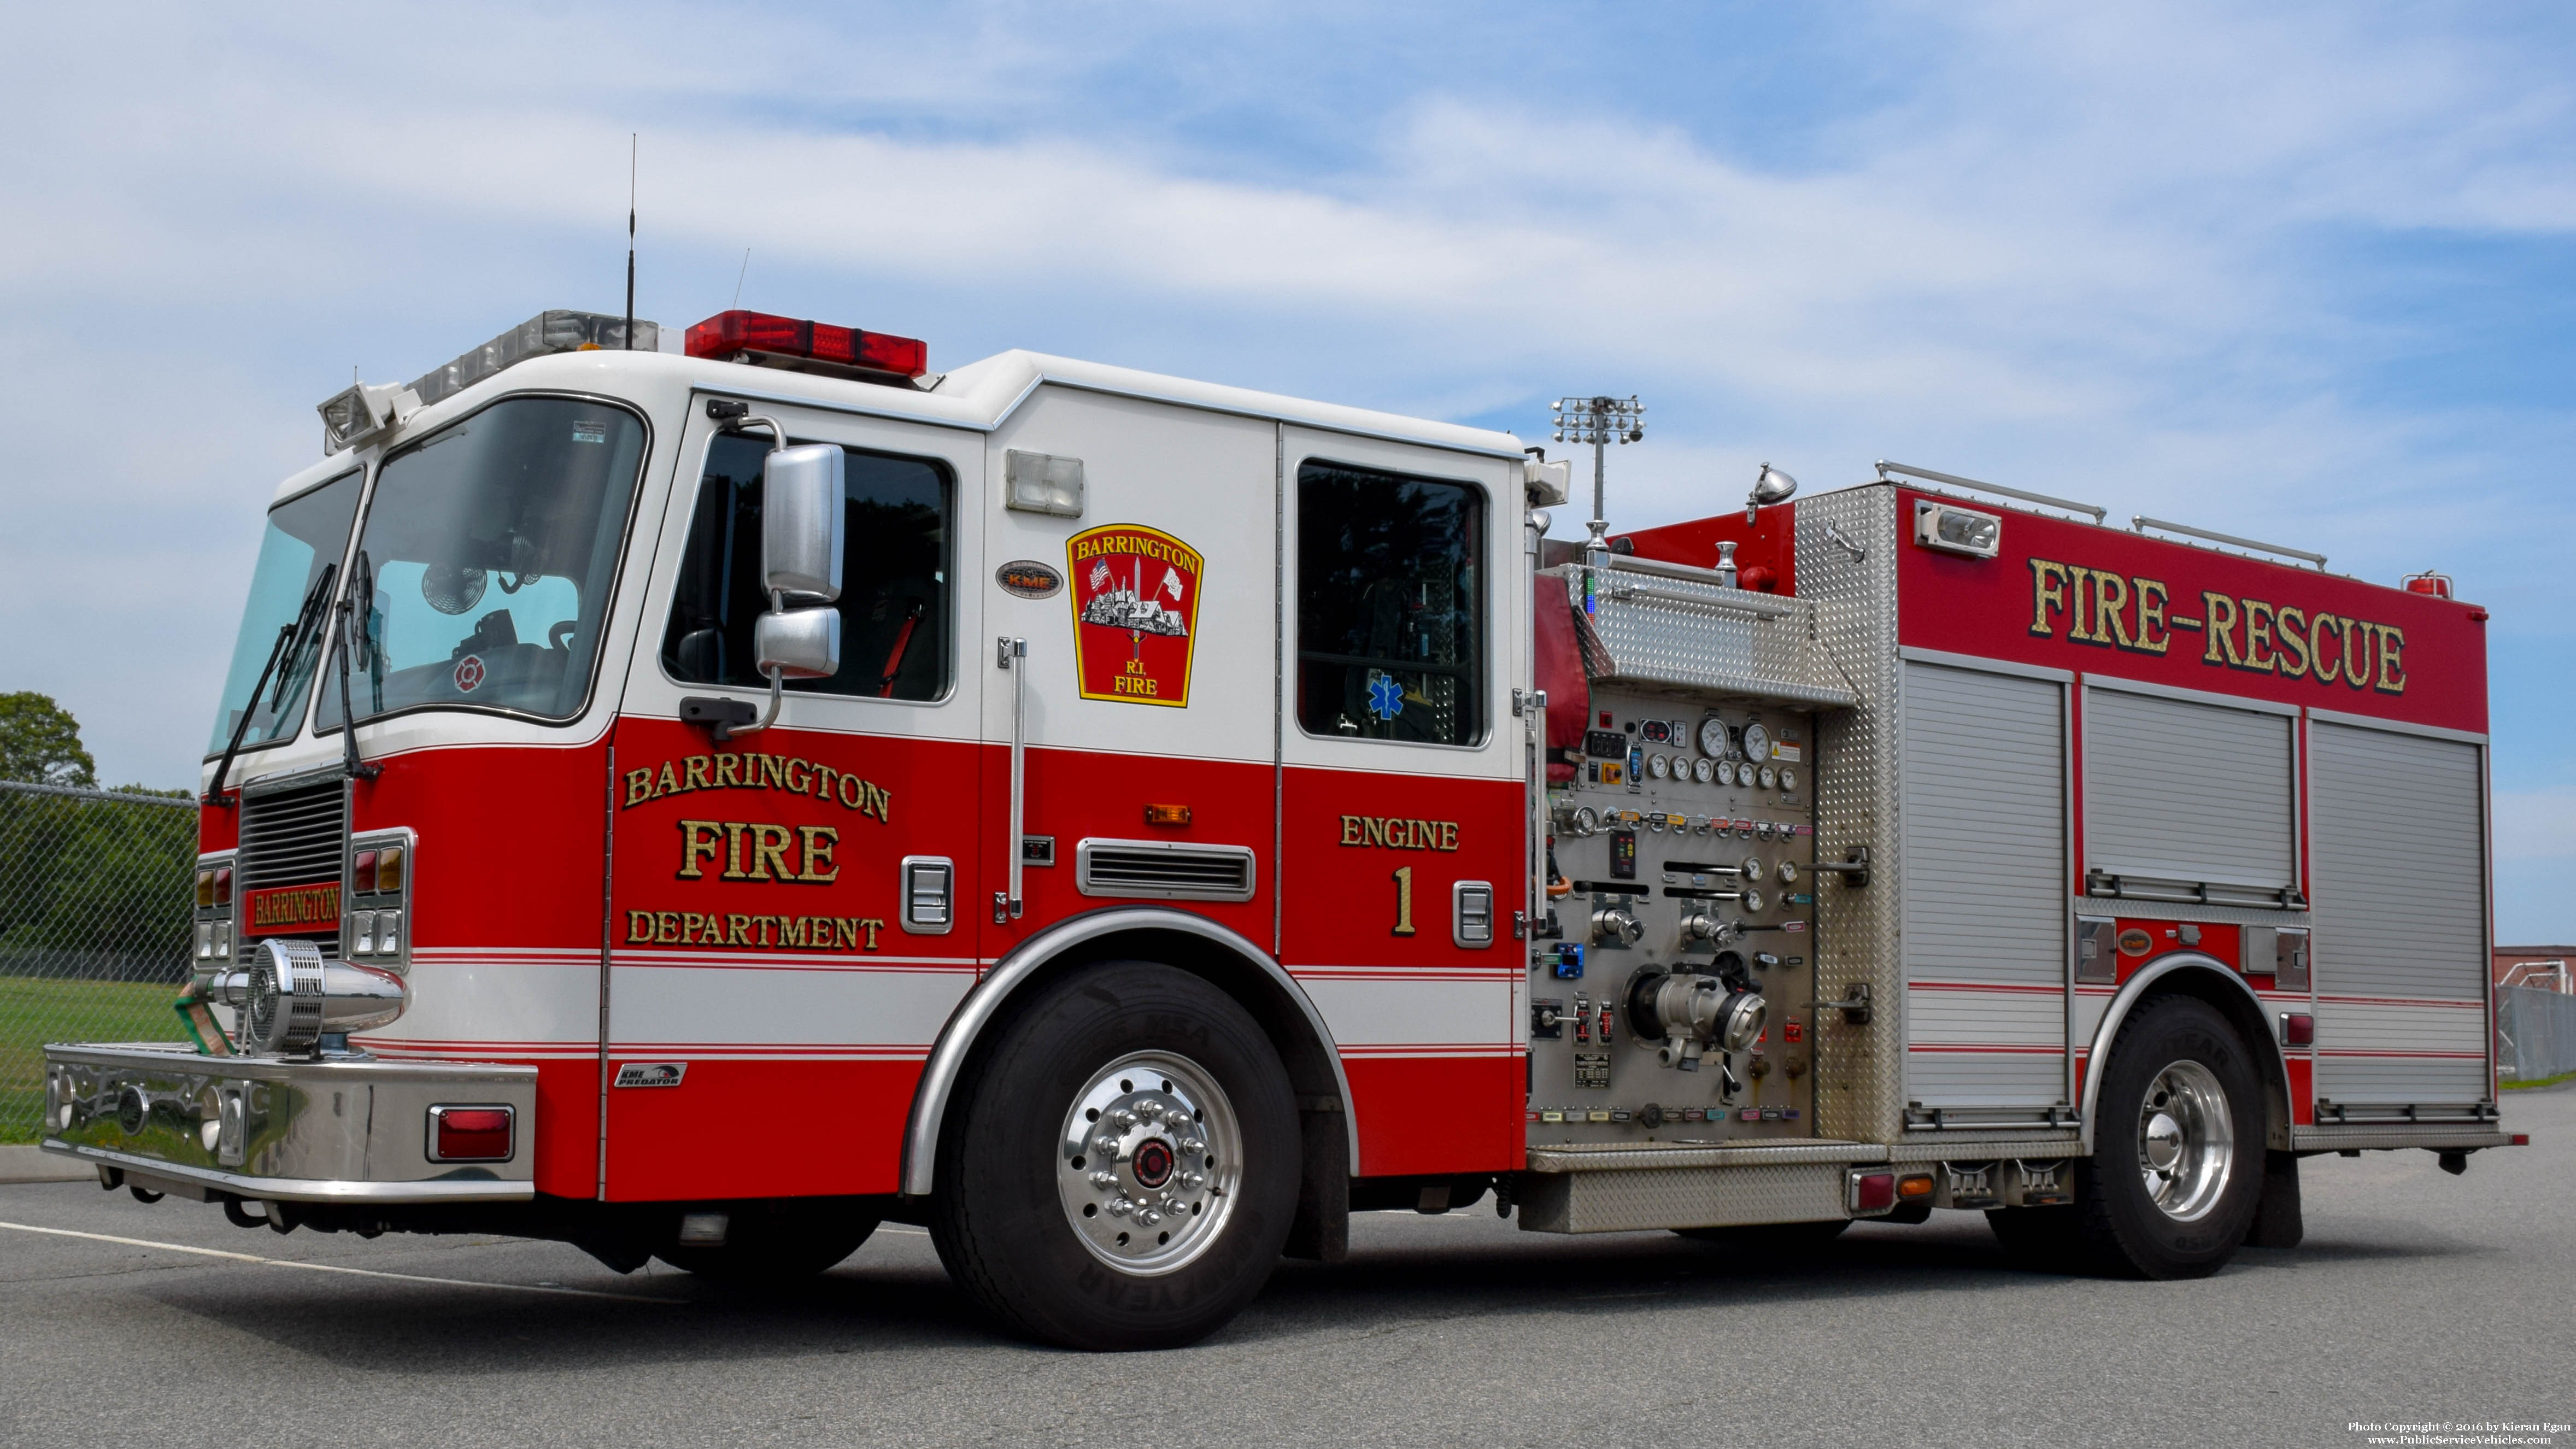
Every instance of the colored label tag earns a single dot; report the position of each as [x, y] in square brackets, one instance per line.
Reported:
[1135, 603]
[291, 908]
[651, 1074]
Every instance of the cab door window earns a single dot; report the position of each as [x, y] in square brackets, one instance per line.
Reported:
[896, 604]
[1390, 606]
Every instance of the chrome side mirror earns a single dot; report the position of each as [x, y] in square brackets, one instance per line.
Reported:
[798, 643]
[800, 522]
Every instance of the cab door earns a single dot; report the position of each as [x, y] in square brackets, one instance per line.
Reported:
[789, 912]
[1403, 799]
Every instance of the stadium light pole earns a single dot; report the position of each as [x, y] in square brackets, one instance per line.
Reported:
[1599, 421]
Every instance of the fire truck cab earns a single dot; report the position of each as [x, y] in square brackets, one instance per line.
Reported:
[699, 805]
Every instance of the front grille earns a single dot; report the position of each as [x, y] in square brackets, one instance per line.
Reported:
[1163, 870]
[296, 836]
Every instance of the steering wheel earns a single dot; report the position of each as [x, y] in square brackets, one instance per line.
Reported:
[559, 633]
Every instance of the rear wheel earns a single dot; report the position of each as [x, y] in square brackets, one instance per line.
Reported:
[1121, 1172]
[2177, 1165]
[777, 1242]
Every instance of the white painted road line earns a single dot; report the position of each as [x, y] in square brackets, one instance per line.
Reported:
[330, 1267]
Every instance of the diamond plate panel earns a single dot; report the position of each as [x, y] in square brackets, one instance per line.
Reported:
[1847, 570]
[1681, 1197]
[1650, 629]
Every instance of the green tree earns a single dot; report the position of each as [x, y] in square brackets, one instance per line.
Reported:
[40, 743]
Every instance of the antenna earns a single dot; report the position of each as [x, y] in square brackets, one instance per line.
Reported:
[737, 280]
[633, 145]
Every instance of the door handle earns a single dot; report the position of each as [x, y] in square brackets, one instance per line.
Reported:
[1012, 655]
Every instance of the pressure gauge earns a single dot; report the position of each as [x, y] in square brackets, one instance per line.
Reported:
[1769, 777]
[1788, 778]
[1752, 868]
[1757, 742]
[1703, 769]
[1744, 773]
[1753, 901]
[1788, 872]
[1656, 767]
[1682, 768]
[1712, 737]
[1578, 821]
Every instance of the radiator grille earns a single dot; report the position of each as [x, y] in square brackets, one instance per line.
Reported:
[296, 836]
[1164, 870]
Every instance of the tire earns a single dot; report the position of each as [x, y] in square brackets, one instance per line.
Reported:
[777, 1242]
[1770, 1237]
[2177, 1165]
[1050, 1232]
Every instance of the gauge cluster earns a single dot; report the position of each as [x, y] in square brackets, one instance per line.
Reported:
[1671, 1001]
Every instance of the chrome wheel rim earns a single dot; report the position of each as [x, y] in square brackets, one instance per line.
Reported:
[1149, 1163]
[2186, 1141]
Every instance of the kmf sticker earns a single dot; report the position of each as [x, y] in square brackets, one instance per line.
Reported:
[2134, 942]
[1135, 603]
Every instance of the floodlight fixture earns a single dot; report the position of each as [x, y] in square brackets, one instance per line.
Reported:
[1599, 421]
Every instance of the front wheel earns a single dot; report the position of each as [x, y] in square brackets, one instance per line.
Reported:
[2177, 1165]
[1121, 1171]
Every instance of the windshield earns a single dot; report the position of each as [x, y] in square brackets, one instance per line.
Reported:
[489, 550]
[305, 536]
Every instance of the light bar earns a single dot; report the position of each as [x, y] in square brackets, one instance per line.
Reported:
[542, 335]
[729, 336]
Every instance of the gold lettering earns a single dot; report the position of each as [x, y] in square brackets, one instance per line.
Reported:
[1448, 835]
[2079, 592]
[2258, 637]
[666, 927]
[2110, 596]
[2294, 643]
[733, 850]
[639, 787]
[737, 930]
[853, 793]
[1350, 830]
[2392, 669]
[667, 784]
[794, 776]
[772, 772]
[639, 927]
[791, 930]
[728, 771]
[698, 842]
[2044, 593]
[1373, 830]
[2316, 645]
[2151, 617]
[818, 842]
[696, 766]
[871, 925]
[2222, 621]
[2357, 638]
[824, 776]
[769, 847]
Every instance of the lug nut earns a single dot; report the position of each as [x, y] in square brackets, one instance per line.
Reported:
[1123, 1117]
[1149, 1217]
[1106, 1146]
[1194, 1146]
[1104, 1180]
[1120, 1207]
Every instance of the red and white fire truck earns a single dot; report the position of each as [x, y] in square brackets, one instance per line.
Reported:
[701, 804]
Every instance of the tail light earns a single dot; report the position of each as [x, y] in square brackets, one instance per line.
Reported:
[1872, 1192]
[2298, 1029]
[471, 1134]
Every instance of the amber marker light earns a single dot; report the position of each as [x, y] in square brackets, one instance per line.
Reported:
[390, 863]
[1913, 1187]
[1167, 815]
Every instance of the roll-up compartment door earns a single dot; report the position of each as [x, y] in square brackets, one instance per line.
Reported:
[2181, 793]
[1986, 881]
[2400, 963]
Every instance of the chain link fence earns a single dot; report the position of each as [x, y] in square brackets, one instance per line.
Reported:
[2535, 1033]
[96, 889]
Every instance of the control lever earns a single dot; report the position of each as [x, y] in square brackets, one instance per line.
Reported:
[1854, 1006]
[1727, 1085]
[1854, 869]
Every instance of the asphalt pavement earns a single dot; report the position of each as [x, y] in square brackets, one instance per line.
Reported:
[2417, 1297]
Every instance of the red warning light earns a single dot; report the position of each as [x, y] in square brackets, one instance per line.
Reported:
[728, 334]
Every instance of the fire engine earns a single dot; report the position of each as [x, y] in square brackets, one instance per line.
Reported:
[701, 804]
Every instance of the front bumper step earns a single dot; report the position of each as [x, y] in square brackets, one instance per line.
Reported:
[339, 1129]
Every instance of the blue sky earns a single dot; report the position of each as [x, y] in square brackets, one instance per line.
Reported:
[2305, 272]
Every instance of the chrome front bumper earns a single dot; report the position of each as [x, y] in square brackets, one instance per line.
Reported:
[342, 1129]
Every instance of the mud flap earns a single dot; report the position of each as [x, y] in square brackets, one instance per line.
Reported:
[2277, 1221]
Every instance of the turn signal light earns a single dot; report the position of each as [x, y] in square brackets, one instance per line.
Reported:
[1913, 1187]
[726, 334]
[470, 1134]
[1167, 815]
[2298, 1029]
[390, 863]
[1873, 1191]
[205, 889]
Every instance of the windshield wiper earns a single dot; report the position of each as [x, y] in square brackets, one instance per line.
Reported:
[290, 642]
[358, 768]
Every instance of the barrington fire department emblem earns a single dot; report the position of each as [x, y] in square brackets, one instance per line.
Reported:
[1135, 613]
